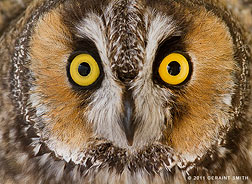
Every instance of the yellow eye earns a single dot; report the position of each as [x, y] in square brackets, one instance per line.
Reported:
[174, 69]
[84, 70]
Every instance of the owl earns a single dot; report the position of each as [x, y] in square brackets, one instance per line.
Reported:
[125, 92]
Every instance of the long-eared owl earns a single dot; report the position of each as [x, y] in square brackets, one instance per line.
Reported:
[125, 91]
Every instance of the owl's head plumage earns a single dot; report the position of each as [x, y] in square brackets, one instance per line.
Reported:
[129, 91]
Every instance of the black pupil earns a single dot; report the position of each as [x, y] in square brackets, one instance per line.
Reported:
[84, 69]
[174, 68]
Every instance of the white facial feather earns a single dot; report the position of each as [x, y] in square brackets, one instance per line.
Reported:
[150, 98]
[106, 108]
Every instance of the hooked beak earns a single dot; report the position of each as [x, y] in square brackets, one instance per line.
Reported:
[127, 120]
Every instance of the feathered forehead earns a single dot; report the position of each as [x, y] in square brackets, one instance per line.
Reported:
[123, 27]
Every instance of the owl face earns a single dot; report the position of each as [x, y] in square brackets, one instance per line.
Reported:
[152, 85]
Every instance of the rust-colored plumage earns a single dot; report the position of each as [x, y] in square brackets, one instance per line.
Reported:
[129, 126]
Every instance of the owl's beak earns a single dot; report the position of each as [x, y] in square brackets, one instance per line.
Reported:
[127, 121]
